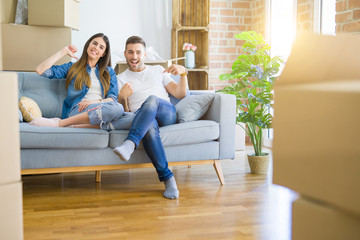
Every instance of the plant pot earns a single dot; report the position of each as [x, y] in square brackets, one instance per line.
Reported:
[259, 164]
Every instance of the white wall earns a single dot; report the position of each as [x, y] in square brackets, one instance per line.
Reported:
[120, 19]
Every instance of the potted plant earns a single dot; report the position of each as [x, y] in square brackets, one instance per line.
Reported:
[255, 72]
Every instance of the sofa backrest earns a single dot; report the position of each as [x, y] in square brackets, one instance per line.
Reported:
[49, 94]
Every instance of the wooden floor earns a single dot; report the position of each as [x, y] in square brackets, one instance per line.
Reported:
[128, 204]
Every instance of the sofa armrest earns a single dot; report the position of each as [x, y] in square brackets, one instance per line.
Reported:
[223, 111]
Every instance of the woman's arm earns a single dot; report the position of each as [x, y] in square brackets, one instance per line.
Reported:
[113, 88]
[48, 63]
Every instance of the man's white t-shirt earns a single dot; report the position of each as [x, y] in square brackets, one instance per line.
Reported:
[150, 81]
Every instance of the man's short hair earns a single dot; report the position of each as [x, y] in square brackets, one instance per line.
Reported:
[135, 39]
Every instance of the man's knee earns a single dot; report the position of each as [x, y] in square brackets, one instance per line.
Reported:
[151, 101]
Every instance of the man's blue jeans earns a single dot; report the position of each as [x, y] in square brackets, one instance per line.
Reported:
[154, 113]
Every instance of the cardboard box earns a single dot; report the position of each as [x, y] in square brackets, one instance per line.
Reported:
[11, 221]
[1, 54]
[9, 128]
[7, 11]
[314, 221]
[7, 15]
[316, 149]
[54, 13]
[122, 65]
[322, 58]
[24, 47]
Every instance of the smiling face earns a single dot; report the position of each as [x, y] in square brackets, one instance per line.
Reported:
[135, 55]
[96, 49]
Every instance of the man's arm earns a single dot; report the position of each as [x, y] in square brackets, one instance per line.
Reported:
[124, 102]
[178, 90]
[125, 92]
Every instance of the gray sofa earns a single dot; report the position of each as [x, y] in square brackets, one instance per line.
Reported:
[55, 150]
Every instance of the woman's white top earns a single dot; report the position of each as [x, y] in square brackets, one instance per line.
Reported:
[94, 92]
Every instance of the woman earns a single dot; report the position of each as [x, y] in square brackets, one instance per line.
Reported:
[91, 85]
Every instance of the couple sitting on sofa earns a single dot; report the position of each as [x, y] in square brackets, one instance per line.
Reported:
[142, 104]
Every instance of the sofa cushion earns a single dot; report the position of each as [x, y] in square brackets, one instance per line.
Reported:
[62, 138]
[29, 109]
[49, 94]
[193, 108]
[177, 134]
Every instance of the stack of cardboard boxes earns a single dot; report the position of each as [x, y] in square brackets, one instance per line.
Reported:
[11, 221]
[316, 136]
[23, 47]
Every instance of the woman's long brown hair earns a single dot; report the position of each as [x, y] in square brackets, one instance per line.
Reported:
[79, 69]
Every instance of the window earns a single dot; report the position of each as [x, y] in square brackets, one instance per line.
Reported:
[281, 30]
[324, 16]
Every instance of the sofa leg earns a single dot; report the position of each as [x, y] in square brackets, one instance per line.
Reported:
[98, 176]
[219, 172]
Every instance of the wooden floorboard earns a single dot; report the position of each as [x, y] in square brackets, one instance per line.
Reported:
[128, 204]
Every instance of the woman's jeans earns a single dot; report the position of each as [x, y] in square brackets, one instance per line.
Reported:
[154, 113]
[102, 114]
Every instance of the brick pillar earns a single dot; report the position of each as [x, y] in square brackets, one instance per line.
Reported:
[258, 17]
[228, 18]
[305, 15]
[347, 16]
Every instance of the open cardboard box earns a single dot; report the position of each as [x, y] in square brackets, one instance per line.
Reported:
[316, 149]
[322, 58]
[122, 65]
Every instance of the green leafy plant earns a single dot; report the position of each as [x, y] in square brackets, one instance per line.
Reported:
[254, 72]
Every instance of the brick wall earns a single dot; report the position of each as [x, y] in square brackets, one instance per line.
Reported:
[228, 18]
[258, 16]
[305, 15]
[347, 16]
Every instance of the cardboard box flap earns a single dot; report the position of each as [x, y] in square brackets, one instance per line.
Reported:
[322, 58]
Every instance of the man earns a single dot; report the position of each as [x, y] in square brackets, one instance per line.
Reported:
[145, 92]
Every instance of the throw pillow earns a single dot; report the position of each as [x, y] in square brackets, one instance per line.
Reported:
[20, 116]
[193, 107]
[29, 109]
